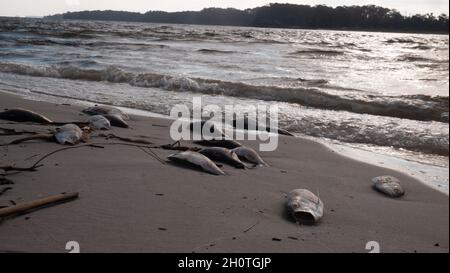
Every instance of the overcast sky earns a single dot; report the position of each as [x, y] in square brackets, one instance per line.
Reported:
[47, 7]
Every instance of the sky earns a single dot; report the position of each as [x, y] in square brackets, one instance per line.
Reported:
[48, 7]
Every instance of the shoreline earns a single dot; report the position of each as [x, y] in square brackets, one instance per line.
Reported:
[129, 202]
[427, 175]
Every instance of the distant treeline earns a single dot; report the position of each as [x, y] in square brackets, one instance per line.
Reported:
[368, 17]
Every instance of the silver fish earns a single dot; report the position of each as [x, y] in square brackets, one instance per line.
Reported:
[250, 155]
[223, 155]
[251, 124]
[23, 115]
[117, 121]
[99, 122]
[388, 185]
[68, 134]
[304, 206]
[197, 159]
[106, 110]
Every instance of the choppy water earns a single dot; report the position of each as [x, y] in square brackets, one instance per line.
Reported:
[383, 92]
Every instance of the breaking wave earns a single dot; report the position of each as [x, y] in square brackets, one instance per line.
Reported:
[388, 134]
[417, 107]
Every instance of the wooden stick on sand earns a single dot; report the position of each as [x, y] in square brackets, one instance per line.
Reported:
[37, 204]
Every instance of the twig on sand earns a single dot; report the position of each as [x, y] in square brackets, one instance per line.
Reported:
[36, 165]
[37, 204]
[126, 139]
[250, 228]
[144, 148]
[14, 132]
[18, 169]
[151, 153]
[176, 146]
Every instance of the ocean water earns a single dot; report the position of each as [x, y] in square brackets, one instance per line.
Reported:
[380, 92]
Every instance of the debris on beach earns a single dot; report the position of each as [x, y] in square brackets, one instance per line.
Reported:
[250, 155]
[27, 207]
[23, 115]
[389, 186]
[99, 122]
[177, 147]
[223, 155]
[198, 160]
[304, 206]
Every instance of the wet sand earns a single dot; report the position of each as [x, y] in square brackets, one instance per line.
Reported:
[130, 202]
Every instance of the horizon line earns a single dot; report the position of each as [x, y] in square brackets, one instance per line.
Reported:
[409, 14]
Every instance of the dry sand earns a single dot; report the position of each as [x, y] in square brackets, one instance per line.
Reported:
[130, 202]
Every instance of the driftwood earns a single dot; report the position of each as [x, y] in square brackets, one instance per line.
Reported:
[37, 204]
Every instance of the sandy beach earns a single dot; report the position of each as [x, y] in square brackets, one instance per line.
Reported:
[130, 202]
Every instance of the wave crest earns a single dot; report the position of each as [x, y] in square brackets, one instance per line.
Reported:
[422, 107]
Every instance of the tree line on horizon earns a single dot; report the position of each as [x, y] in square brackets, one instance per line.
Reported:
[369, 17]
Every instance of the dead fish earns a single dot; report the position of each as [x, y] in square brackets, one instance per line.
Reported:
[250, 155]
[205, 124]
[224, 143]
[223, 155]
[105, 110]
[115, 116]
[249, 123]
[69, 134]
[388, 185]
[23, 115]
[117, 121]
[198, 160]
[304, 206]
[99, 122]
